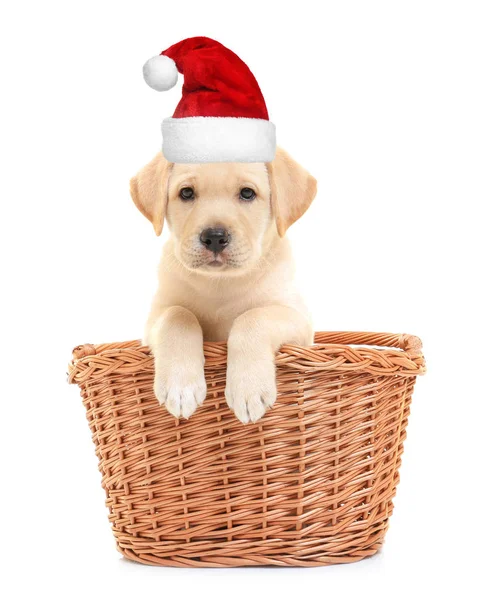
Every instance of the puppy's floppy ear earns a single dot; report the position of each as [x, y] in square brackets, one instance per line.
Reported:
[292, 190]
[149, 190]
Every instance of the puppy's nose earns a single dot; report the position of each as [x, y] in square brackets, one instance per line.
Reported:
[215, 239]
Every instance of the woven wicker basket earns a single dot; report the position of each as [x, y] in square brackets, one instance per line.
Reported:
[310, 484]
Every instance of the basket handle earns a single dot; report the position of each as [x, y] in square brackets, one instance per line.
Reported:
[83, 351]
[409, 343]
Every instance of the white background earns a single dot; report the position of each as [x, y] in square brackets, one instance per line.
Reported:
[381, 102]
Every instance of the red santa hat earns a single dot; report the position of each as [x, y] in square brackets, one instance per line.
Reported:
[222, 116]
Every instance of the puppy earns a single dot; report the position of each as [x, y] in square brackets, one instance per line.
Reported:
[226, 274]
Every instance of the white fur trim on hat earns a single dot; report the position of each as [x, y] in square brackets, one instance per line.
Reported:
[218, 139]
[160, 72]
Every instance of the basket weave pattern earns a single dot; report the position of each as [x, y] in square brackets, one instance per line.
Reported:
[310, 484]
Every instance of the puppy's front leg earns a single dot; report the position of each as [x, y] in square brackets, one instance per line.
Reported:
[254, 339]
[176, 340]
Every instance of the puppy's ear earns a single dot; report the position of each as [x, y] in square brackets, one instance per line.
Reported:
[292, 190]
[149, 190]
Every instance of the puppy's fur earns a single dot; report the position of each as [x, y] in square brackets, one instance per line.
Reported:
[244, 295]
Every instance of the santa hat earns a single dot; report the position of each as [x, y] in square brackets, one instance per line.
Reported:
[222, 116]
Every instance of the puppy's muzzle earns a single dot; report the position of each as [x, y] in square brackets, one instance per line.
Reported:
[215, 239]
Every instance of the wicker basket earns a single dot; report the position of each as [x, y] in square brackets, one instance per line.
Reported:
[310, 484]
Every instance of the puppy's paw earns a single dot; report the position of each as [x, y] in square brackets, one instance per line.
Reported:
[180, 387]
[251, 387]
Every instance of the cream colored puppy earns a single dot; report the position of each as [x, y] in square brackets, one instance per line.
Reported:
[226, 274]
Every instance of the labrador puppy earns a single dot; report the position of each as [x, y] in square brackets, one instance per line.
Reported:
[226, 274]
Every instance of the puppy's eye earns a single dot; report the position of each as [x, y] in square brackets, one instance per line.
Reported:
[247, 194]
[187, 193]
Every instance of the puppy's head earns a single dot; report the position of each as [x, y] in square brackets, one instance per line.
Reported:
[223, 216]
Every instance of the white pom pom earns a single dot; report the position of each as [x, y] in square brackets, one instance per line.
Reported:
[160, 72]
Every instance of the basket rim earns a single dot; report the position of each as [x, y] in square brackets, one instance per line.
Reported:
[342, 351]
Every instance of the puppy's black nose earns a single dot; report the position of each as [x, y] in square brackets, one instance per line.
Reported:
[215, 239]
